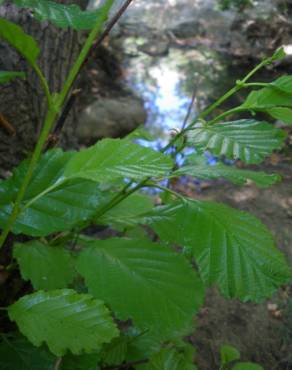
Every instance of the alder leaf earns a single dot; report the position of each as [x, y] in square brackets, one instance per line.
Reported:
[50, 204]
[45, 266]
[170, 359]
[281, 113]
[61, 15]
[128, 212]
[233, 249]
[6, 76]
[248, 140]
[111, 159]
[144, 281]
[23, 43]
[64, 320]
[203, 170]
[228, 354]
[247, 366]
[17, 353]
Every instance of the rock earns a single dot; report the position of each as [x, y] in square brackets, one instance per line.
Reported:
[110, 117]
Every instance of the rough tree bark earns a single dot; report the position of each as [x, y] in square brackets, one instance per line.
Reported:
[22, 102]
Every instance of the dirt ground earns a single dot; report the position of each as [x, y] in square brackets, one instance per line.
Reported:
[262, 333]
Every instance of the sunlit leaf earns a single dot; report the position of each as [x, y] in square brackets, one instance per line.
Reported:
[170, 359]
[248, 140]
[147, 282]
[111, 159]
[64, 320]
[46, 267]
[233, 249]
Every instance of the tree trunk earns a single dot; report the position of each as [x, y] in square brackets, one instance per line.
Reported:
[22, 101]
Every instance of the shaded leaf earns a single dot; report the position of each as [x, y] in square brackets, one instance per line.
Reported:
[128, 211]
[50, 203]
[45, 266]
[142, 280]
[205, 171]
[170, 359]
[248, 140]
[228, 353]
[23, 43]
[16, 353]
[115, 352]
[81, 362]
[111, 159]
[61, 15]
[6, 76]
[247, 366]
[233, 249]
[64, 320]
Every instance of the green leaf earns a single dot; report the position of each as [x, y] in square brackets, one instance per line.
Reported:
[128, 211]
[233, 249]
[16, 353]
[6, 76]
[248, 140]
[51, 203]
[170, 359]
[64, 320]
[112, 159]
[247, 366]
[140, 133]
[228, 354]
[203, 170]
[281, 113]
[61, 15]
[46, 267]
[266, 98]
[147, 282]
[115, 352]
[23, 43]
[279, 54]
[81, 362]
[283, 84]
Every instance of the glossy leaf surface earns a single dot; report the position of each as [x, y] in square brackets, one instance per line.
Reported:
[147, 282]
[50, 203]
[64, 320]
[233, 249]
[112, 159]
[202, 170]
[248, 140]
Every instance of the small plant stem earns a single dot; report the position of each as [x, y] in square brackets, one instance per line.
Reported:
[225, 114]
[124, 193]
[58, 363]
[44, 84]
[83, 54]
[258, 84]
[164, 188]
[52, 113]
